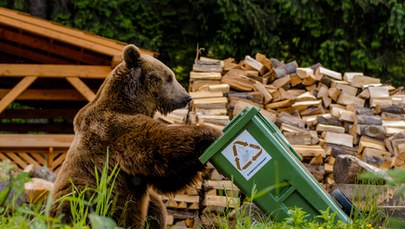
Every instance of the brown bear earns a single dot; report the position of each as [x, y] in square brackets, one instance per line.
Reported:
[152, 156]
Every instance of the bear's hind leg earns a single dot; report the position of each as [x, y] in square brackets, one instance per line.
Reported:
[156, 212]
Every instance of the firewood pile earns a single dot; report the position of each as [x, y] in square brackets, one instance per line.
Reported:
[340, 124]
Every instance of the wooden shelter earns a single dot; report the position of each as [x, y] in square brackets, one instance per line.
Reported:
[47, 73]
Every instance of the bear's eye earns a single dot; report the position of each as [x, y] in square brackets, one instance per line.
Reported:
[169, 79]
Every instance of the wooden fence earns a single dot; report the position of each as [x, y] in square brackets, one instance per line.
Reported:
[47, 150]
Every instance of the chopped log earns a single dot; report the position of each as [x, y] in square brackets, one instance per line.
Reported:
[197, 84]
[37, 190]
[224, 88]
[255, 97]
[381, 101]
[373, 131]
[394, 123]
[348, 76]
[365, 94]
[280, 104]
[329, 121]
[368, 120]
[370, 143]
[309, 81]
[347, 99]
[360, 110]
[359, 81]
[317, 171]
[322, 91]
[334, 93]
[313, 111]
[260, 88]
[302, 105]
[304, 72]
[395, 109]
[205, 75]
[336, 109]
[330, 73]
[334, 150]
[375, 156]
[391, 116]
[291, 128]
[339, 139]
[347, 116]
[309, 151]
[295, 80]
[305, 97]
[290, 119]
[264, 60]
[298, 138]
[238, 79]
[347, 89]
[199, 95]
[330, 128]
[291, 67]
[346, 170]
[254, 64]
[317, 160]
[280, 82]
[379, 92]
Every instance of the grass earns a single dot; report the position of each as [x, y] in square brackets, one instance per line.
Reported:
[95, 212]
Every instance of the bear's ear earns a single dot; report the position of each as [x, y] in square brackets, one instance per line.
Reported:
[131, 55]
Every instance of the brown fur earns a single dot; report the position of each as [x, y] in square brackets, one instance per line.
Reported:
[151, 155]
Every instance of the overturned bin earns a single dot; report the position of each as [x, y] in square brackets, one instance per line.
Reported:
[256, 156]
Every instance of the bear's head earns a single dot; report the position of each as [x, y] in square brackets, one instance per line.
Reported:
[142, 84]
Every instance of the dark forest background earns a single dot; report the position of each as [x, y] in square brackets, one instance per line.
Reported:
[343, 35]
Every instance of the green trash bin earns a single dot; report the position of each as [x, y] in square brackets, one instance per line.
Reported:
[255, 155]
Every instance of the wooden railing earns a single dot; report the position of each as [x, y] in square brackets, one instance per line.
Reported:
[47, 150]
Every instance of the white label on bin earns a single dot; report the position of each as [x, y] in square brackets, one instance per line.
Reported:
[246, 155]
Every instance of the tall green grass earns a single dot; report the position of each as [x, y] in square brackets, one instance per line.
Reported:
[96, 211]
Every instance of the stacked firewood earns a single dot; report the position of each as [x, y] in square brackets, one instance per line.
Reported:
[340, 124]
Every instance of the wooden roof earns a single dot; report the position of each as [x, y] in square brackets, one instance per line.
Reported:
[49, 71]
[28, 39]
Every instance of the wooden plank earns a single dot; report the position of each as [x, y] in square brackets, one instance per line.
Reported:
[47, 94]
[204, 94]
[82, 88]
[13, 93]
[54, 71]
[205, 75]
[45, 45]
[220, 184]
[36, 140]
[221, 201]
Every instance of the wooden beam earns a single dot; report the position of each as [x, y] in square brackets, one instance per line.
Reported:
[13, 93]
[54, 71]
[36, 140]
[39, 113]
[46, 45]
[47, 94]
[31, 55]
[23, 128]
[82, 88]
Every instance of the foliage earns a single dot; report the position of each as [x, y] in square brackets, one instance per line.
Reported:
[347, 35]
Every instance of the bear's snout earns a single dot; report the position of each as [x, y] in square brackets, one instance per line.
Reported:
[188, 99]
